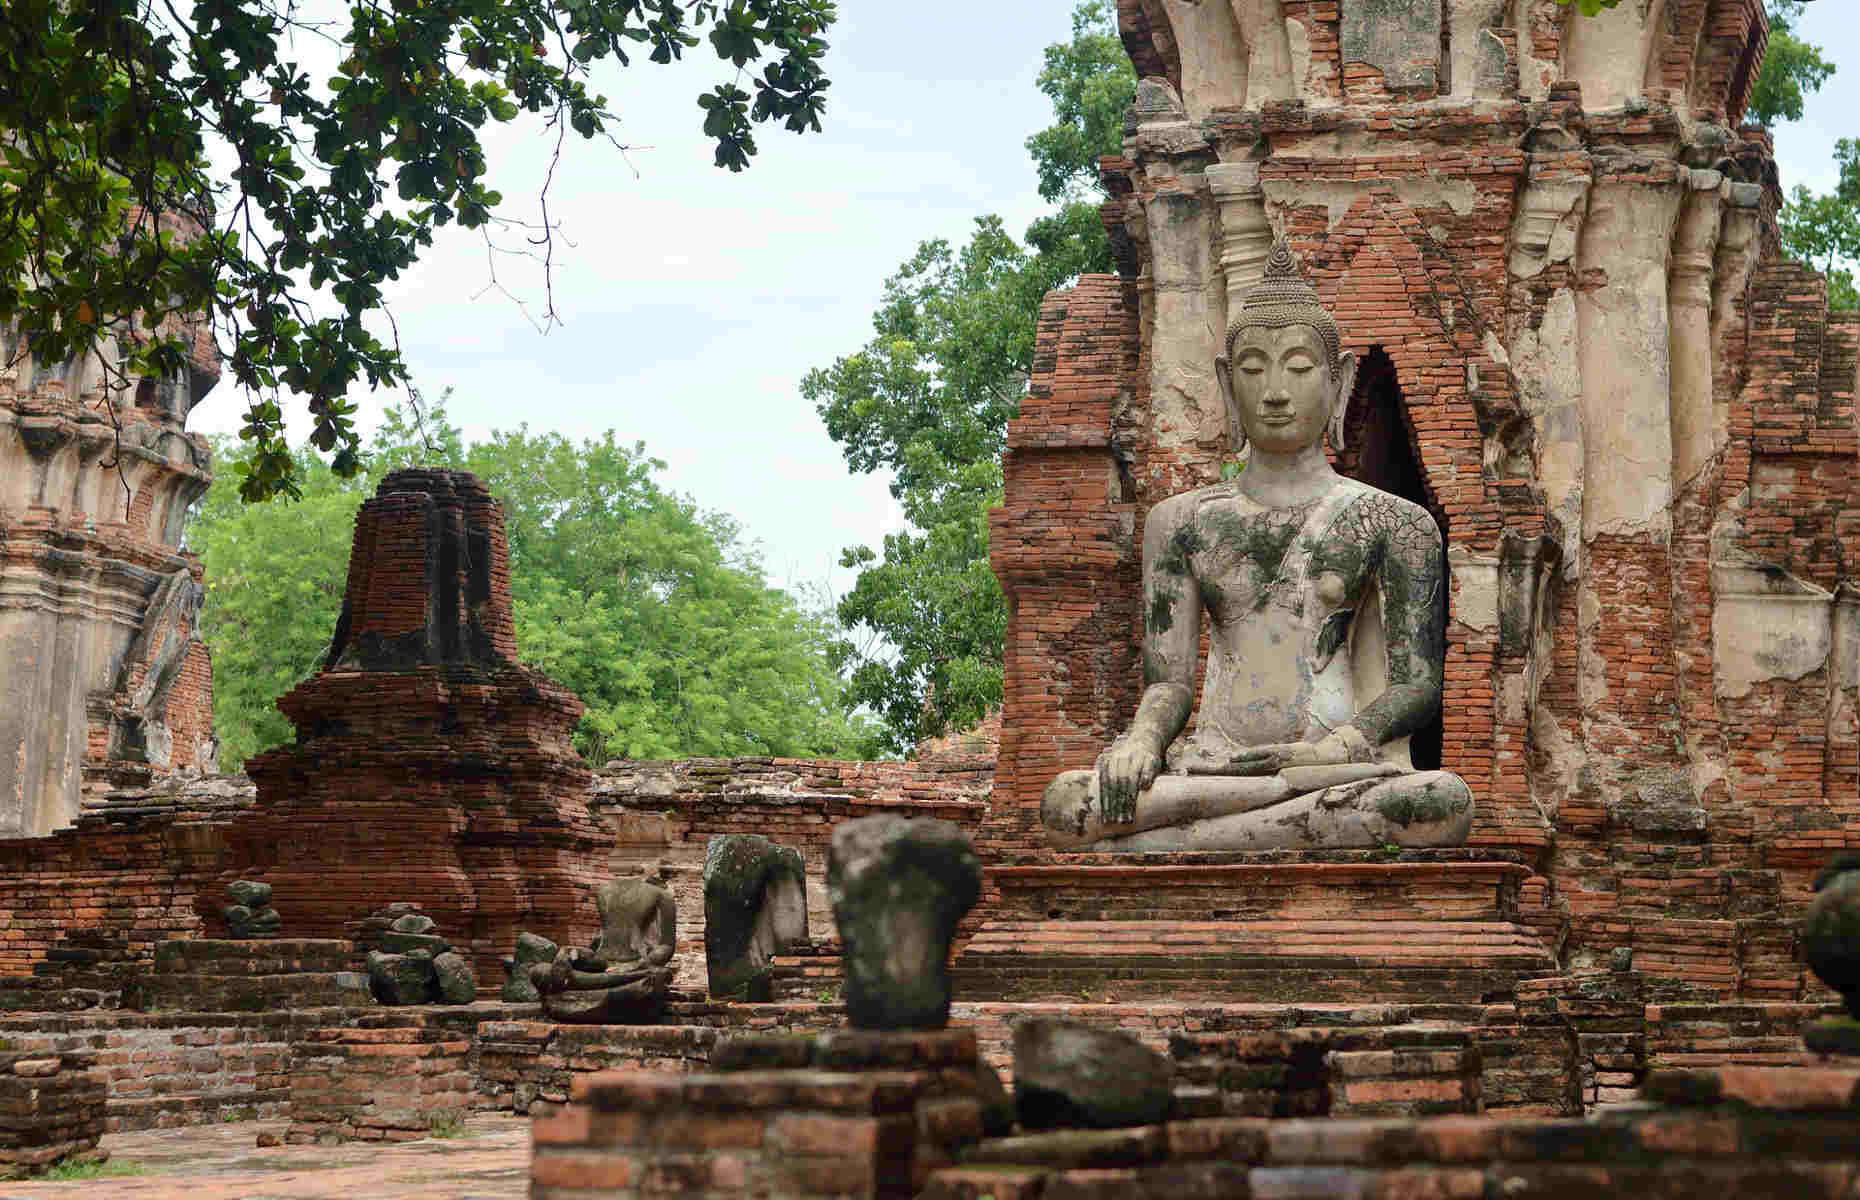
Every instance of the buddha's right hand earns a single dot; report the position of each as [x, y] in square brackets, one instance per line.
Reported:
[1129, 766]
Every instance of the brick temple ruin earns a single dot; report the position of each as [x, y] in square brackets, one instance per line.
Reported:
[1553, 246]
[107, 683]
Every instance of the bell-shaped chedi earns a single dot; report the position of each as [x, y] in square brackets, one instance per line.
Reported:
[428, 760]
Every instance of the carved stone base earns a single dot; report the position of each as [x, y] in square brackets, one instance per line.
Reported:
[1437, 926]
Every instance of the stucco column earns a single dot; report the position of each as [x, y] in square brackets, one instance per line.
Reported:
[1245, 232]
[1627, 667]
[1185, 405]
[1607, 53]
[1213, 53]
[1543, 345]
[1737, 253]
[1689, 294]
[1626, 340]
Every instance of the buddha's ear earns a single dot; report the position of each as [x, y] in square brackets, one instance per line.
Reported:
[1345, 376]
[1224, 378]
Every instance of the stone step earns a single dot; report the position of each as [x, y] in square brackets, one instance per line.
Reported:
[250, 993]
[253, 956]
[1282, 961]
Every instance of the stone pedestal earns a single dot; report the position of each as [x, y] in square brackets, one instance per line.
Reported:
[251, 975]
[1436, 925]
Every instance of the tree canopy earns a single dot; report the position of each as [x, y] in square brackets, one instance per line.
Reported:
[111, 108]
[930, 395]
[652, 610]
[1792, 69]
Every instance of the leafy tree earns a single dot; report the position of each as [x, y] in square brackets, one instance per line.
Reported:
[1090, 82]
[1791, 68]
[929, 398]
[110, 107]
[1825, 229]
[654, 611]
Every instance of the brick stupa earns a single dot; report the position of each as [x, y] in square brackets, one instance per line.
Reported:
[429, 764]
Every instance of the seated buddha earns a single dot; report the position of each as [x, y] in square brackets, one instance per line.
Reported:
[1326, 604]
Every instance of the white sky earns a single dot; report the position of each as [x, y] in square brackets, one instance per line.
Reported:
[694, 300]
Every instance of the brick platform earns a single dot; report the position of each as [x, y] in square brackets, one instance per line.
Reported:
[1439, 925]
[1747, 1133]
[808, 971]
[844, 1114]
[394, 1078]
[51, 1107]
[257, 975]
[519, 1063]
[1399, 1070]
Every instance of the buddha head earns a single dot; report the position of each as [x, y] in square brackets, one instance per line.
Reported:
[1284, 376]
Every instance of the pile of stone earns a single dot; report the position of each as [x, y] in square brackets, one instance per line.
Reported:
[415, 964]
[250, 914]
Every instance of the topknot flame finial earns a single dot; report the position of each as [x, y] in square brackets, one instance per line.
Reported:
[1280, 264]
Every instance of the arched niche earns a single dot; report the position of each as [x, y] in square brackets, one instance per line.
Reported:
[1380, 449]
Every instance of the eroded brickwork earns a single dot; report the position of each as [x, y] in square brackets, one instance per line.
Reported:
[1634, 421]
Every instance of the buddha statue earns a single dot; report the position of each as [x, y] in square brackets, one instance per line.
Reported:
[1326, 602]
[626, 978]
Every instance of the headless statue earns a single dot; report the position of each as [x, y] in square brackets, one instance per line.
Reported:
[1326, 602]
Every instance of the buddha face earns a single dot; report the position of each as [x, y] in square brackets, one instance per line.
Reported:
[1282, 389]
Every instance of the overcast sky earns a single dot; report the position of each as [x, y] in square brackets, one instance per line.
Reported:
[693, 300]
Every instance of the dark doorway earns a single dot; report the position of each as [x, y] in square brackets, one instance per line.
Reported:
[1380, 449]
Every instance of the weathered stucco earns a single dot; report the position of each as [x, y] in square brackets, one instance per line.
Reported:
[1768, 625]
